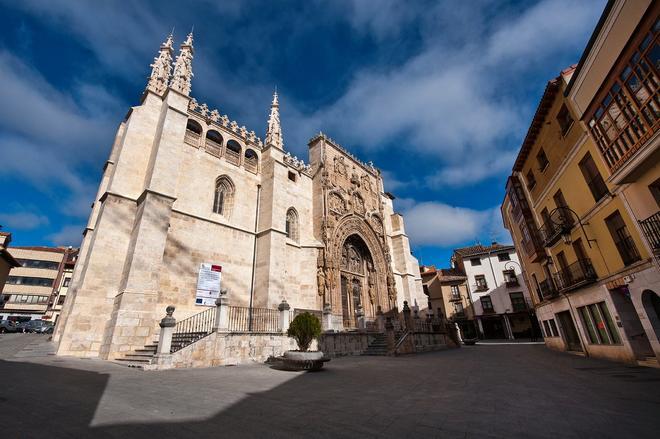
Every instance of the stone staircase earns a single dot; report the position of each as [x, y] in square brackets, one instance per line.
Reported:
[144, 356]
[649, 362]
[378, 346]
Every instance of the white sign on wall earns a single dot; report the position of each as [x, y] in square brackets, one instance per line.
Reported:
[208, 284]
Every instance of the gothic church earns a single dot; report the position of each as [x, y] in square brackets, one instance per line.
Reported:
[185, 185]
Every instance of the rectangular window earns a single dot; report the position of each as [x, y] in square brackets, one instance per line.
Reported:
[553, 326]
[292, 176]
[34, 263]
[542, 160]
[66, 282]
[622, 239]
[598, 323]
[475, 261]
[531, 180]
[503, 257]
[60, 300]
[487, 304]
[564, 119]
[458, 308]
[480, 281]
[546, 325]
[655, 191]
[455, 293]
[32, 281]
[518, 302]
[592, 177]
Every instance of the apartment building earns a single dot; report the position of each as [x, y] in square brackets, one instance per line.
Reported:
[583, 249]
[30, 287]
[614, 93]
[449, 297]
[500, 301]
[62, 285]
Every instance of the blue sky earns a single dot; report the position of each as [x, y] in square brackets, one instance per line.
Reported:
[438, 94]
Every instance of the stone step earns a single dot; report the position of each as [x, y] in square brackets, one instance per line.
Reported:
[649, 362]
[143, 360]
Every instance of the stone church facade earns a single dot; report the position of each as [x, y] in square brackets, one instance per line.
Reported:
[185, 185]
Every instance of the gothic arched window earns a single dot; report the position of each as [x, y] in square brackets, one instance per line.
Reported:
[223, 197]
[234, 152]
[193, 132]
[251, 160]
[292, 224]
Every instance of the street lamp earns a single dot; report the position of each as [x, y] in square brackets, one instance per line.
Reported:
[566, 231]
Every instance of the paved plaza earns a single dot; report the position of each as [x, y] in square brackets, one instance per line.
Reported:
[477, 391]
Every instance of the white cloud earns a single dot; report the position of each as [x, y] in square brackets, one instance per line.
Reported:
[439, 224]
[22, 220]
[68, 235]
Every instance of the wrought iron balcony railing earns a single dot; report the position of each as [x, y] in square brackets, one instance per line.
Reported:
[627, 250]
[546, 289]
[560, 222]
[651, 228]
[575, 275]
[481, 287]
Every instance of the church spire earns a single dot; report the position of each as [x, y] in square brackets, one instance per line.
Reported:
[183, 67]
[274, 131]
[161, 68]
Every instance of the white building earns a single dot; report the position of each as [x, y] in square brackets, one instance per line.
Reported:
[501, 303]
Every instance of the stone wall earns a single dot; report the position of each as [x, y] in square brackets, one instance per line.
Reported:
[222, 349]
[341, 344]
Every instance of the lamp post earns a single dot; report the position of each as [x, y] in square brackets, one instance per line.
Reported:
[531, 314]
[566, 231]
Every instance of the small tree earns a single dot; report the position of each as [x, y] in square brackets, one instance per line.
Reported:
[304, 328]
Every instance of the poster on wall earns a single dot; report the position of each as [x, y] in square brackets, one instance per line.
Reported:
[208, 284]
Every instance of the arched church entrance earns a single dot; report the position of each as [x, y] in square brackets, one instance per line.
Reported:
[651, 303]
[358, 281]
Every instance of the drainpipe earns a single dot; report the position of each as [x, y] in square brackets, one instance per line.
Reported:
[254, 255]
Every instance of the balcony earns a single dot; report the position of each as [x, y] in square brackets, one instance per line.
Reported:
[651, 228]
[627, 250]
[192, 138]
[575, 275]
[488, 310]
[481, 287]
[559, 223]
[546, 290]
[455, 297]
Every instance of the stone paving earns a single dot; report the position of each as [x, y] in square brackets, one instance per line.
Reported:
[497, 391]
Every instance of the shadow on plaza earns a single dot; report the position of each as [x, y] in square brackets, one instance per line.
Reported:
[348, 400]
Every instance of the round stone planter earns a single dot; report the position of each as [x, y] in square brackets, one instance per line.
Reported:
[296, 360]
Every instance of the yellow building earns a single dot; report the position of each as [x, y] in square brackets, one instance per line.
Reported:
[614, 93]
[577, 241]
[449, 297]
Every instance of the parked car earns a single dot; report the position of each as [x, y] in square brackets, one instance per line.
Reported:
[7, 326]
[35, 326]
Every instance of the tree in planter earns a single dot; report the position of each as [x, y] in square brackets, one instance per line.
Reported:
[304, 328]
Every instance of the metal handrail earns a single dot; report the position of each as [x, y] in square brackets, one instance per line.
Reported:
[263, 319]
[651, 228]
[192, 329]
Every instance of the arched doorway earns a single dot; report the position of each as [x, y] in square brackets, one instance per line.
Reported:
[358, 279]
[651, 303]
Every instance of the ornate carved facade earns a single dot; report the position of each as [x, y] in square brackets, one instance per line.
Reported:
[324, 235]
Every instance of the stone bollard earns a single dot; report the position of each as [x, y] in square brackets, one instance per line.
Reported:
[285, 317]
[380, 319]
[361, 321]
[163, 356]
[327, 318]
[406, 316]
[222, 313]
